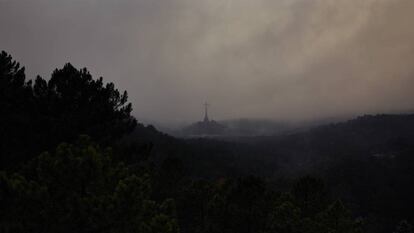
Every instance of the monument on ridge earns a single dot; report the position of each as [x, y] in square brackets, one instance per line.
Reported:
[206, 112]
[206, 127]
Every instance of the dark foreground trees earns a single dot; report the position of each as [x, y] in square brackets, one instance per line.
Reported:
[38, 116]
[52, 180]
[249, 205]
[77, 188]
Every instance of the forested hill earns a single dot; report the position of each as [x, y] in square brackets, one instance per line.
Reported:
[370, 133]
[303, 151]
[367, 161]
[74, 159]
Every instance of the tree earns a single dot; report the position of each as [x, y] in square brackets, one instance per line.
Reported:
[404, 227]
[239, 205]
[21, 204]
[311, 195]
[16, 105]
[13, 85]
[77, 188]
[37, 117]
[73, 103]
[285, 217]
[337, 219]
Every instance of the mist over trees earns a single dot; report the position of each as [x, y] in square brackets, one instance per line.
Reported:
[74, 159]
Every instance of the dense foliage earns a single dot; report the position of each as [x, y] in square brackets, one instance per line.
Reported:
[39, 116]
[78, 188]
[126, 177]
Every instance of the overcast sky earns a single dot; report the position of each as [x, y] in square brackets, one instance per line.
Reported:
[297, 59]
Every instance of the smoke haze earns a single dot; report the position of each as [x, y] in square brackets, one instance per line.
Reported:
[284, 59]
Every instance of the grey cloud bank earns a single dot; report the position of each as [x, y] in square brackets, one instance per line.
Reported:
[285, 59]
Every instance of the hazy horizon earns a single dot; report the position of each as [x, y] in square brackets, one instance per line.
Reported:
[264, 59]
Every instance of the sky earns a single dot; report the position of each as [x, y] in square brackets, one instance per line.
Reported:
[274, 59]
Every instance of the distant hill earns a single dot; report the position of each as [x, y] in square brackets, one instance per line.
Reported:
[245, 127]
[302, 150]
[368, 161]
[289, 153]
[204, 129]
[256, 127]
[367, 134]
[235, 128]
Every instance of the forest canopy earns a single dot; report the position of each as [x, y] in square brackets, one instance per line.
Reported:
[37, 116]
[74, 159]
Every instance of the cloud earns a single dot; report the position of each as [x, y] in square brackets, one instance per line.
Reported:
[294, 59]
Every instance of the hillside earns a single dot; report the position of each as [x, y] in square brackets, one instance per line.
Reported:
[367, 161]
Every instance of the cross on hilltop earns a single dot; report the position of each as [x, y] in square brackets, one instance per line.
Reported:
[206, 105]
